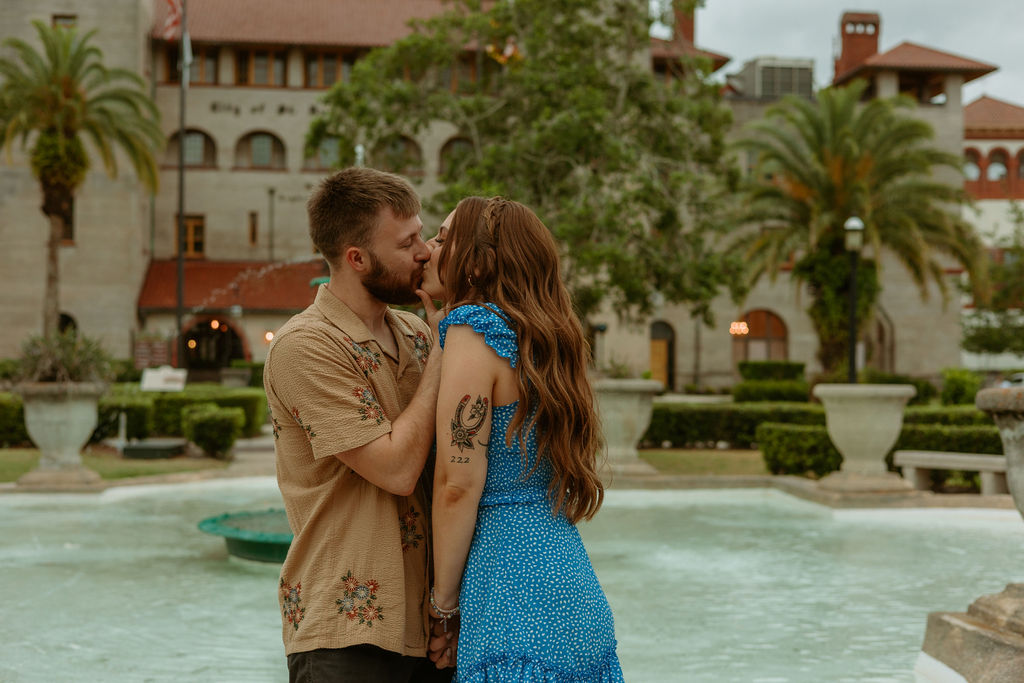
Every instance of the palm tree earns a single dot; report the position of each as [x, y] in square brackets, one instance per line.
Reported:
[820, 162]
[53, 100]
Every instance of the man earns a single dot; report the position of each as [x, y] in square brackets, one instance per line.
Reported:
[352, 387]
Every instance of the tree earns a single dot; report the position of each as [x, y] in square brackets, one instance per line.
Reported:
[997, 326]
[563, 113]
[53, 101]
[820, 162]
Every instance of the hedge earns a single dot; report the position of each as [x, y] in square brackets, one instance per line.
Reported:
[138, 409]
[213, 428]
[757, 370]
[686, 424]
[168, 406]
[926, 391]
[802, 449]
[771, 390]
[12, 421]
[959, 386]
[256, 378]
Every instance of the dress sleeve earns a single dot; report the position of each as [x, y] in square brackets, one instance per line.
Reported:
[488, 320]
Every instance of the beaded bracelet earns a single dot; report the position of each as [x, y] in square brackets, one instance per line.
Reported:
[445, 614]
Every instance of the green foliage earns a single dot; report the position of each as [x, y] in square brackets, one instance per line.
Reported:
[797, 449]
[8, 369]
[125, 370]
[167, 407]
[820, 162]
[803, 449]
[57, 99]
[64, 357]
[926, 391]
[959, 386]
[771, 369]
[138, 410]
[629, 172]
[212, 428]
[771, 390]
[12, 421]
[953, 416]
[997, 326]
[256, 378]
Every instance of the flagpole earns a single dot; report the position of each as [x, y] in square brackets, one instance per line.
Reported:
[185, 62]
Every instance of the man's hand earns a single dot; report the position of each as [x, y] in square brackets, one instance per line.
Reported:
[442, 647]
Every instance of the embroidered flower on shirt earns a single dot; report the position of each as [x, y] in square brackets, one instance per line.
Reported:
[367, 359]
[309, 428]
[410, 539]
[370, 409]
[359, 601]
[421, 346]
[277, 427]
[290, 599]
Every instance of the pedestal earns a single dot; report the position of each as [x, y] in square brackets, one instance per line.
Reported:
[625, 407]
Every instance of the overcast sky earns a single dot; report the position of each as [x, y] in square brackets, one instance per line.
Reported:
[990, 31]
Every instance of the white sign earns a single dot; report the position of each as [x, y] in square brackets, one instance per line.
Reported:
[164, 378]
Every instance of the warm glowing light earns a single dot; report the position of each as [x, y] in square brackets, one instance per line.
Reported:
[214, 324]
[191, 343]
[269, 336]
[738, 328]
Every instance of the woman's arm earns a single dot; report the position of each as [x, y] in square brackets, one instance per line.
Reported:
[464, 404]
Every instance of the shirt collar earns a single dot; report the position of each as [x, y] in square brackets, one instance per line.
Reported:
[342, 317]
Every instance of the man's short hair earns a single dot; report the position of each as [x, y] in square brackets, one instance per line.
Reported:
[345, 209]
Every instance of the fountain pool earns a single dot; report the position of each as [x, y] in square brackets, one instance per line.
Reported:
[742, 585]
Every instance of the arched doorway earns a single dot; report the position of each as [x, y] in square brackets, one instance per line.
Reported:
[663, 353]
[211, 344]
[765, 338]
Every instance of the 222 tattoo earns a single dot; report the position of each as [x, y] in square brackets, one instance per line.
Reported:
[464, 430]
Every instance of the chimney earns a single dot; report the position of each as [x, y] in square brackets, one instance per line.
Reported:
[858, 33]
[684, 26]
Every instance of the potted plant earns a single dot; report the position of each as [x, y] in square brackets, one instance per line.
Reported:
[60, 379]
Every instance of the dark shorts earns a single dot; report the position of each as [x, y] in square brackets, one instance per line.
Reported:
[363, 664]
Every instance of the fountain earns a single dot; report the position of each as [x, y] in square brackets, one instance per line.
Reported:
[263, 536]
[987, 642]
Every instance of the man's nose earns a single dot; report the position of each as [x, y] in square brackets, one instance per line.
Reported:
[423, 254]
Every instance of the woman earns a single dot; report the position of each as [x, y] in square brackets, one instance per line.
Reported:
[516, 446]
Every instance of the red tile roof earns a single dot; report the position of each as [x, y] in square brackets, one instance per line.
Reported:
[218, 285]
[909, 56]
[987, 117]
[677, 47]
[301, 22]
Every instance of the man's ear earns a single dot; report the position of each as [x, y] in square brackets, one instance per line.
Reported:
[355, 259]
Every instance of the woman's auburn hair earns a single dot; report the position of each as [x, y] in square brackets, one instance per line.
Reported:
[498, 251]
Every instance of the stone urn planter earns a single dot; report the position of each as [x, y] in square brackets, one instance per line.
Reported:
[864, 421]
[625, 407]
[986, 643]
[60, 417]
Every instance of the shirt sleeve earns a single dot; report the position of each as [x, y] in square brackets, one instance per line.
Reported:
[318, 387]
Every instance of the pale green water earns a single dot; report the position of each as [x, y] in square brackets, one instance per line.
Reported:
[747, 585]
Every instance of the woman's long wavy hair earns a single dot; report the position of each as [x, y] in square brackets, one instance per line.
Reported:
[498, 251]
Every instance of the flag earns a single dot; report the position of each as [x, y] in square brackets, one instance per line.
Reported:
[173, 20]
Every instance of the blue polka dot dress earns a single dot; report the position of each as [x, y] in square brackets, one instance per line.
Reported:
[532, 608]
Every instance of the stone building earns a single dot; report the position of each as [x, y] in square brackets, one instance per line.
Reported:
[259, 70]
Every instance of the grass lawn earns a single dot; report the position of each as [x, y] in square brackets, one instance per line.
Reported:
[15, 462]
[704, 461]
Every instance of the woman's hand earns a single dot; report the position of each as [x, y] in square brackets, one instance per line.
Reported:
[434, 314]
[443, 644]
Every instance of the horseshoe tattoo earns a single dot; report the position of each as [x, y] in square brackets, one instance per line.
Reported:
[463, 431]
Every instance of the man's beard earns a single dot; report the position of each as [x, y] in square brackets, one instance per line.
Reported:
[386, 286]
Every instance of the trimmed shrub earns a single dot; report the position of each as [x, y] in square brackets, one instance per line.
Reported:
[12, 421]
[167, 406]
[926, 391]
[137, 407]
[959, 386]
[962, 416]
[8, 369]
[687, 424]
[797, 449]
[252, 401]
[256, 378]
[771, 390]
[212, 428]
[758, 370]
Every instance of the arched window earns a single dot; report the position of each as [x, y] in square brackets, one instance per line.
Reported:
[331, 153]
[997, 166]
[66, 322]
[454, 156]
[200, 150]
[398, 154]
[972, 167]
[765, 339]
[260, 150]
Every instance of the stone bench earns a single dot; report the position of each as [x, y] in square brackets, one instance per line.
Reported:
[917, 466]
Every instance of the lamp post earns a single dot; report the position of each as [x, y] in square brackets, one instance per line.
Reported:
[854, 229]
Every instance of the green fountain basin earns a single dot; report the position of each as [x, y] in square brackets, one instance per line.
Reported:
[263, 535]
